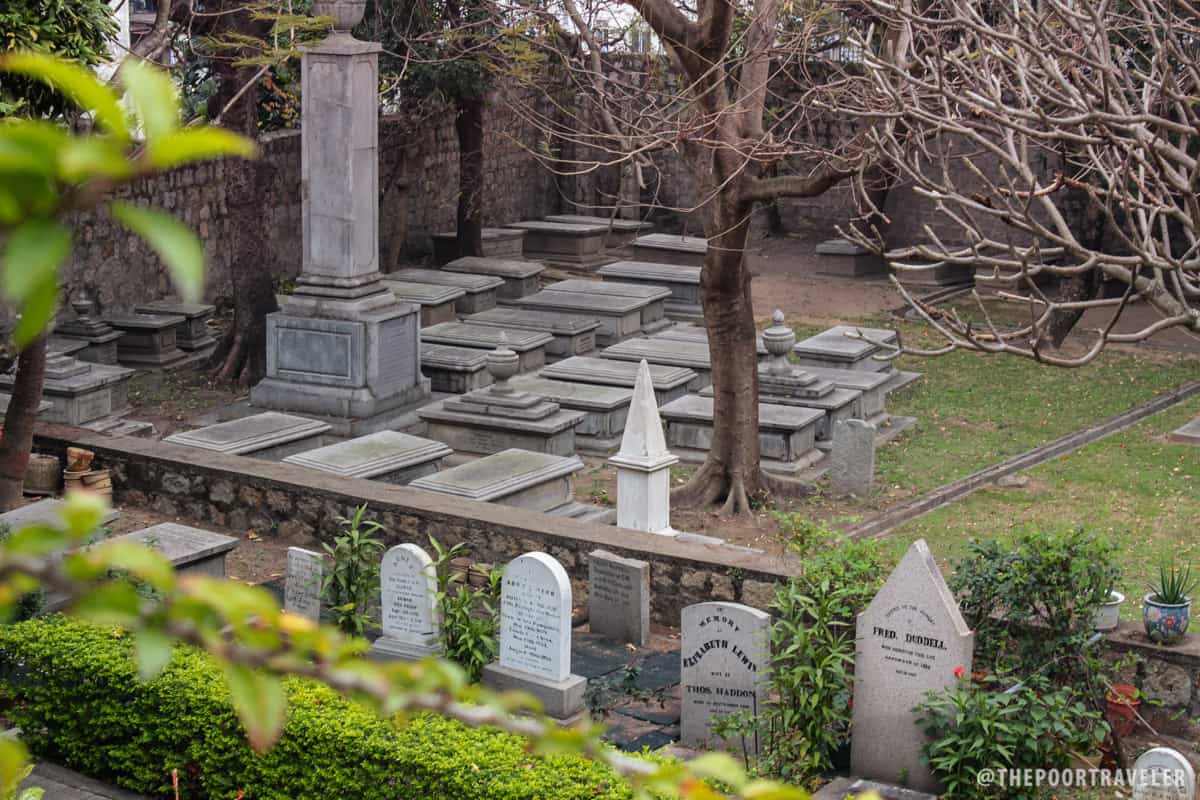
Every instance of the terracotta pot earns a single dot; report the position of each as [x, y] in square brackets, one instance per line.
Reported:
[73, 480]
[98, 482]
[79, 460]
[1122, 702]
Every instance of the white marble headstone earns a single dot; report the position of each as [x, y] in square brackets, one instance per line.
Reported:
[409, 590]
[723, 664]
[1162, 773]
[911, 640]
[535, 617]
[302, 587]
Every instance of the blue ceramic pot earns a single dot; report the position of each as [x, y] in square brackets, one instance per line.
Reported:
[1165, 624]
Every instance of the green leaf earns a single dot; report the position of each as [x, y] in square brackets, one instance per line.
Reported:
[197, 144]
[31, 146]
[14, 765]
[113, 603]
[260, 703]
[36, 540]
[37, 312]
[138, 560]
[719, 767]
[84, 158]
[83, 513]
[77, 83]
[35, 250]
[152, 649]
[153, 96]
[175, 244]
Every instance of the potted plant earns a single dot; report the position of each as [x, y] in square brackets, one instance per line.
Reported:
[1108, 614]
[1166, 609]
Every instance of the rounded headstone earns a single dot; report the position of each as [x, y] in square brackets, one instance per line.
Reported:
[409, 594]
[535, 617]
[1162, 773]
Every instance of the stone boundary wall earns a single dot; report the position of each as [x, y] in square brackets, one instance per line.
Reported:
[276, 499]
[1170, 675]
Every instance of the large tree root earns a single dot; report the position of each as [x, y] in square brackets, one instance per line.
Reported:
[713, 483]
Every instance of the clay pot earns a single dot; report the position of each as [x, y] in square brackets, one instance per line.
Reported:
[73, 480]
[98, 482]
[79, 460]
[1122, 703]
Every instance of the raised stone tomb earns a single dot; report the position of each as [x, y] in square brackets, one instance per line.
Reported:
[480, 290]
[669, 383]
[786, 434]
[682, 281]
[620, 317]
[574, 334]
[604, 407]
[79, 392]
[454, 370]
[530, 346]
[192, 551]
[437, 302]
[270, 435]
[848, 259]
[192, 334]
[653, 313]
[670, 352]
[697, 333]
[620, 231]
[520, 277]
[670, 248]
[836, 406]
[99, 339]
[497, 243]
[516, 478]
[835, 350]
[148, 340]
[387, 456]
[571, 245]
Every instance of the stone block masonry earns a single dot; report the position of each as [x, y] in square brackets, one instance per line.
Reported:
[303, 505]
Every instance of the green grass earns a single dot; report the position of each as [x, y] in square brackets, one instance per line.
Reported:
[1135, 487]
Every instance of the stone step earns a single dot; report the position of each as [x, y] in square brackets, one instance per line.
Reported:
[386, 456]
[513, 477]
[670, 383]
[520, 277]
[480, 290]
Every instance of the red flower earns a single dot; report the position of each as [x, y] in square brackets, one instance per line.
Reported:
[959, 672]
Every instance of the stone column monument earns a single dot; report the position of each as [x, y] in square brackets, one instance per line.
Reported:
[342, 347]
[644, 464]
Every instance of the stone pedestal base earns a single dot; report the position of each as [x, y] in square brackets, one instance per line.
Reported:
[561, 700]
[385, 648]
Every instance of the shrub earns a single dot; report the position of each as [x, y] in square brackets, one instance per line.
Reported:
[353, 583]
[470, 632]
[73, 689]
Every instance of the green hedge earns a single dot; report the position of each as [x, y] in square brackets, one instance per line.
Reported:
[73, 690]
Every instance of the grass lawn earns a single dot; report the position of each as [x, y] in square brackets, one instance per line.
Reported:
[1135, 487]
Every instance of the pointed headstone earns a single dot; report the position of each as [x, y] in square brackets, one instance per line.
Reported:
[409, 608]
[644, 463]
[911, 640]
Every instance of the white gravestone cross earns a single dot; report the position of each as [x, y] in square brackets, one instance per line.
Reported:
[723, 664]
[302, 587]
[911, 640]
[535, 617]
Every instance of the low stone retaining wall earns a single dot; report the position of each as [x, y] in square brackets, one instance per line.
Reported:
[303, 505]
[1170, 675]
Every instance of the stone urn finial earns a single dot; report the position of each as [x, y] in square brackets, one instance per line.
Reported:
[346, 13]
[502, 364]
[779, 339]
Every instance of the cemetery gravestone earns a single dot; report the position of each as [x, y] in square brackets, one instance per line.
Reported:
[1162, 773]
[724, 652]
[619, 597]
[302, 587]
[852, 459]
[535, 636]
[910, 641]
[411, 618]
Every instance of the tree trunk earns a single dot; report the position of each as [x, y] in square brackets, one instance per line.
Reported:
[241, 355]
[16, 441]
[468, 124]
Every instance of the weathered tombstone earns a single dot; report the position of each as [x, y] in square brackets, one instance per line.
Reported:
[535, 636]
[411, 618]
[910, 641]
[852, 459]
[724, 651]
[302, 587]
[1162, 773]
[619, 597]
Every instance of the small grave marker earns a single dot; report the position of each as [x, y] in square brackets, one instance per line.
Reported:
[302, 587]
[411, 618]
[1162, 773]
[619, 597]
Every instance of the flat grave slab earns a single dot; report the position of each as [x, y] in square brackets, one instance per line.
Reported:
[453, 369]
[484, 433]
[387, 456]
[1189, 433]
[683, 282]
[437, 302]
[848, 259]
[529, 345]
[653, 315]
[520, 277]
[44, 512]
[605, 409]
[834, 349]
[148, 340]
[269, 435]
[838, 405]
[669, 382]
[572, 245]
[620, 232]
[671, 352]
[873, 386]
[670, 248]
[192, 334]
[786, 434]
[574, 334]
[619, 316]
[497, 243]
[481, 290]
[697, 333]
[192, 551]
[517, 478]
